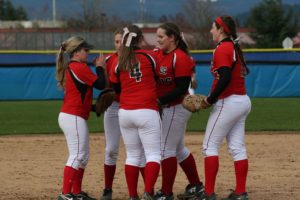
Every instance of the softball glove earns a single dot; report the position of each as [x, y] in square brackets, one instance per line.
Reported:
[194, 103]
[104, 100]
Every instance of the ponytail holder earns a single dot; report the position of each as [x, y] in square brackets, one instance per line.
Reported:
[220, 22]
[62, 48]
[236, 41]
[129, 38]
[183, 38]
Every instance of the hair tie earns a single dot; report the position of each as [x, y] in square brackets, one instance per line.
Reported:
[129, 38]
[236, 41]
[183, 38]
[62, 48]
[220, 22]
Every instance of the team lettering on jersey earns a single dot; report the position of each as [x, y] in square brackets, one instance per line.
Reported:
[172, 65]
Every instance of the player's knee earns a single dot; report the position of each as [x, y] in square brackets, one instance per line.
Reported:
[210, 152]
[156, 157]
[83, 159]
[238, 153]
[168, 154]
[182, 155]
[78, 161]
[111, 157]
[134, 161]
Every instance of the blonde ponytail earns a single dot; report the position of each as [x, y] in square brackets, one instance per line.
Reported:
[61, 67]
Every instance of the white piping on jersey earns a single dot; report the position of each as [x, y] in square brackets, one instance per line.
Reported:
[108, 57]
[116, 68]
[153, 61]
[234, 56]
[174, 60]
[77, 77]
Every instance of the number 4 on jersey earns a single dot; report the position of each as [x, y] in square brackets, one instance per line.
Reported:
[136, 72]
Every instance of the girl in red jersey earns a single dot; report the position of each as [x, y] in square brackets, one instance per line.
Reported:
[231, 105]
[111, 126]
[175, 70]
[77, 80]
[139, 118]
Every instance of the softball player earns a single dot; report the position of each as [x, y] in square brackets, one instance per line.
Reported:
[231, 105]
[175, 71]
[111, 127]
[139, 118]
[77, 80]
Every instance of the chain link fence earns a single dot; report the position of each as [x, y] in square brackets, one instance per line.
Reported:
[24, 40]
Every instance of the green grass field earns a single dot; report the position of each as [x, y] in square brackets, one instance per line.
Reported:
[36, 117]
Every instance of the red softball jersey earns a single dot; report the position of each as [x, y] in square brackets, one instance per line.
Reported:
[172, 65]
[138, 88]
[224, 55]
[78, 90]
[111, 63]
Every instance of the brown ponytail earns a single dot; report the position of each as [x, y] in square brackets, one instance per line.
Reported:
[127, 58]
[230, 23]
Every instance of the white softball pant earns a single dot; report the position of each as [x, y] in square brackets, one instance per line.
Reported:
[112, 133]
[174, 123]
[141, 130]
[77, 136]
[227, 119]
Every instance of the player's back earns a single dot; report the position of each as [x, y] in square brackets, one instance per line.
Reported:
[138, 87]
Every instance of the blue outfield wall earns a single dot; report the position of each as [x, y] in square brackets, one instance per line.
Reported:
[31, 76]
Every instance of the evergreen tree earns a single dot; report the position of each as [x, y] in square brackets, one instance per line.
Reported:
[272, 23]
[21, 13]
[9, 12]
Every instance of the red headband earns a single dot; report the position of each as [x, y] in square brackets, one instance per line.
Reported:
[220, 22]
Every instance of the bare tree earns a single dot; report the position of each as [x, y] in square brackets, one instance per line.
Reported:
[90, 18]
[93, 18]
[200, 15]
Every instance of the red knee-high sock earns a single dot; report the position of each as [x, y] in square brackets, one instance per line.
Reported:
[109, 174]
[132, 176]
[142, 171]
[189, 167]
[151, 174]
[211, 165]
[169, 170]
[68, 180]
[78, 181]
[241, 171]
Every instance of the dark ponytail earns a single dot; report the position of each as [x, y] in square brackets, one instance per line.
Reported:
[230, 23]
[172, 29]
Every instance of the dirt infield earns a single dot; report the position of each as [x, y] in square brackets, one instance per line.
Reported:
[32, 167]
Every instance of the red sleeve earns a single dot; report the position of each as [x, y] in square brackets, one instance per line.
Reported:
[84, 73]
[223, 56]
[113, 75]
[184, 65]
[111, 63]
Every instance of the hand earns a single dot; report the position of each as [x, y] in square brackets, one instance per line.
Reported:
[204, 104]
[99, 61]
